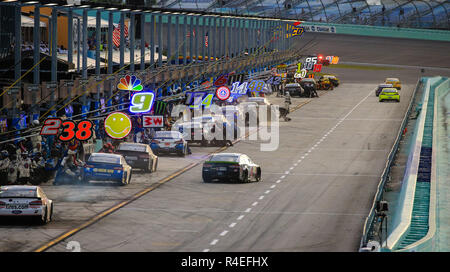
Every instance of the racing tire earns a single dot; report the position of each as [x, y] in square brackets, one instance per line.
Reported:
[123, 182]
[204, 143]
[182, 153]
[258, 175]
[205, 180]
[156, 165]
[398, 101]
[381, 100]
[43, 219]
[129, 178]
[245, 177]
[50, 217]
[149, 168]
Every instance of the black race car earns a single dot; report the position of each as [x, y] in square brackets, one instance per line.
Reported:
[231, 167]
[294, 89]
[138, 156]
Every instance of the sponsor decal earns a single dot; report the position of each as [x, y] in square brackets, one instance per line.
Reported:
[152, 121]
[223, 93]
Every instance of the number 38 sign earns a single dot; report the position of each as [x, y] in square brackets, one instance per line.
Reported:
[82, 131]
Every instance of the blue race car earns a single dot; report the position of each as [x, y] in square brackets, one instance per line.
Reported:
[107, 167]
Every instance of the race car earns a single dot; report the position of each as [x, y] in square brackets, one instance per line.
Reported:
[21, 200]
[389, 94]
[333, 79]
[138, 156]
[211, 121]
[249, 109]
[309, 86]
[106, 167]
[381, 87]
[169, 142]
[231, 112]
[189, 130]
[216, 124]
[252, 105]
[230, 167]
[324, 83]
[394, 81]
[294, 89]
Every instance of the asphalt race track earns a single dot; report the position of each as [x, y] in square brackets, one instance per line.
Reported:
[317, 187]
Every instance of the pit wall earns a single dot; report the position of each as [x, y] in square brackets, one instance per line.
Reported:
[378, 31]
[403, 216]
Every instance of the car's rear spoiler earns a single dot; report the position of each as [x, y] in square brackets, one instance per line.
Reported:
[222, 162]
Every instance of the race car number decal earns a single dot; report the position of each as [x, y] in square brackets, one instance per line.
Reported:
[51, 126]
[142, 102]
[275, 80]
[239, 88]
[81, 131]
[196, 99]
[301, 74]
[220, 81]
[256, 85]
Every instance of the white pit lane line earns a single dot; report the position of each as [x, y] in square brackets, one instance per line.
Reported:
[232, 225]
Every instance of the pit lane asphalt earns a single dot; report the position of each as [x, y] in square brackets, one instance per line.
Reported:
[316, 190]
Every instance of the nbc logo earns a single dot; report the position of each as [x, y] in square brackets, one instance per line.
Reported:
[130, 83]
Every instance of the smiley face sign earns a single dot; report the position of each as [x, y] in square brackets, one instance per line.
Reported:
[118, 125]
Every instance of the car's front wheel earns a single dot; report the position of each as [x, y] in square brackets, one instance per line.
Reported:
[245, 177]
[149, 167]
[124, 180]
[156, 165]
[258, 175]
[43, 218]
[183, 152]
[50, 217]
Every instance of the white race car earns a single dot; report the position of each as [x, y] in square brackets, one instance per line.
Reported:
[20, 200]
[169, 142]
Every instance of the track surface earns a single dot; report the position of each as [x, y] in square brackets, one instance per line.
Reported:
[315, 193]
[316, 190]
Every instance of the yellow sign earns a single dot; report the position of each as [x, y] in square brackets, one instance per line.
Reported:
[118, 125]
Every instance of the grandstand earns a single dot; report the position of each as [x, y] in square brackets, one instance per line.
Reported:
[433, 14]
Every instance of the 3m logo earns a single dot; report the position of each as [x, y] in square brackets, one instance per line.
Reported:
[152, 121]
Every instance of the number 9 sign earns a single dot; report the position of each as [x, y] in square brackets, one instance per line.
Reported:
[142, 102]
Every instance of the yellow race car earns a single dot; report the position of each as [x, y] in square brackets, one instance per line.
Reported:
[395, 82]
[389, 94]
[324, 83]
[333, 79]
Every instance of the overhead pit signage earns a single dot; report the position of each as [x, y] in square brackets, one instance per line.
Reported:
[292, 30]
[152, 121]
[118, 125]
[81, 131]
[319, 28]
[141, 101]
